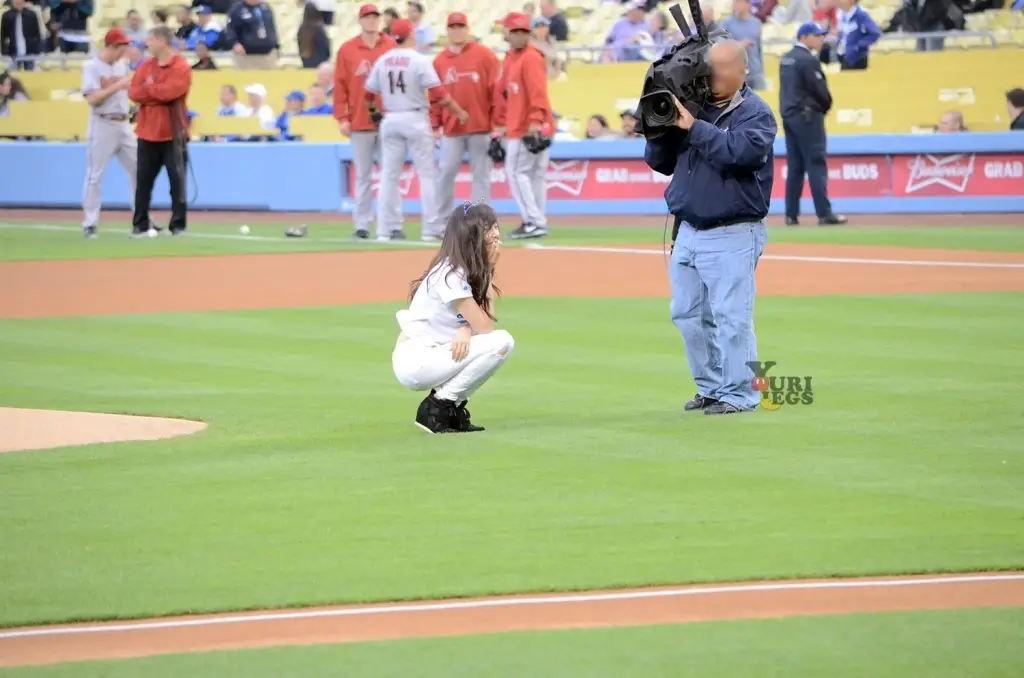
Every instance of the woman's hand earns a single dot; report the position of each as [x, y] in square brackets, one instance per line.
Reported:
[460, 344]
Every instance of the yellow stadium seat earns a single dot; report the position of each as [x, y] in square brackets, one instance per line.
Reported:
[318, 128]
[227, 126]
[55, 120]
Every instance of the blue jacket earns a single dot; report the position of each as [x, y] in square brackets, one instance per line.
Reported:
[210, 35]
[865, 33]
[721, 171]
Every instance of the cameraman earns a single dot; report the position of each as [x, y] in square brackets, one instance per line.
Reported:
[722, 173]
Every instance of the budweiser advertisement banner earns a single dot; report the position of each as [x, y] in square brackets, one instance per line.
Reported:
[850, 176]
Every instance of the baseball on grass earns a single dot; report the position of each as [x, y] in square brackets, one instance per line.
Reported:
[151, 233]
[244, 230]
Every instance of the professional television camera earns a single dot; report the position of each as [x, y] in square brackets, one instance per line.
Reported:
[683, 71]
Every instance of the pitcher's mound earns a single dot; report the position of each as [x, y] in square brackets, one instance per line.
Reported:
[45, 429]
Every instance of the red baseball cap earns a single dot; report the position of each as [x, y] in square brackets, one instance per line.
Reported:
[401, 29]
[115, 36]
[367, 10]
[457, 19]
[516, 21]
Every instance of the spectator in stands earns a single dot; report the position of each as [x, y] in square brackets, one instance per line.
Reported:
[258, 106]
[662, 35]
[294, 104]
[11, 89]
[707, 11]
[230, 105]
[183, 15]
[205, 30]
[927, 16]
[627, 120]
[530, 10]
[135, 53]
[326, 9]
[204, 62]
[951, 121]
[325, 78]
[743, 26]
[21, 35]
[543, 41]
[598, 129]
[133, 27]
[318, 101]
[69, 21]
[857, 32]
[1015, 107]
[252, 35]
[625, 35]
[425, 36]
[218, 6]
[793, 12]
[314, 45]
[158, 17]
[559, 26]
[389, 15]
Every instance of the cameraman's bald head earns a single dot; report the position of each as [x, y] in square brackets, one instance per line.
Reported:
[728, 60]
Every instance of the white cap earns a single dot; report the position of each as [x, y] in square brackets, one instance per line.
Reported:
[257, 89]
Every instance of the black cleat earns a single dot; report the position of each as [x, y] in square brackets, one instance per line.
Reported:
[91, 232]
[462, 420]
[398, 235]
[792, 221]
[698, 402]
[526, 231]
[436, 416]
[178, 232]
[833, 220]
[361, 234]
[721, 407]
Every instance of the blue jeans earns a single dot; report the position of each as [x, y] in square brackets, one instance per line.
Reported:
[713, 289]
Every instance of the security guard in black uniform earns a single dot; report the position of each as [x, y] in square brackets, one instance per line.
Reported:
[804, 101]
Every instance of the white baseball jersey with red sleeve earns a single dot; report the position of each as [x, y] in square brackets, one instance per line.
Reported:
[405, 79]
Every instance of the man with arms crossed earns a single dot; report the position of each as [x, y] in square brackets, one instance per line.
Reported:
[402, 78]
[469, 71]
[525, 112]
[722, 171]
[355, 59]
[105, 83]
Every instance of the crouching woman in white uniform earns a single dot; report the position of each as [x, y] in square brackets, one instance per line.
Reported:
[448, 344]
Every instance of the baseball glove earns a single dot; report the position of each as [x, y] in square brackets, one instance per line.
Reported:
[535, 143]
[375, 117]
[496, 150]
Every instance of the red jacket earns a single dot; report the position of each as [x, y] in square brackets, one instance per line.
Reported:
[351, 67]
[470, 77]
[524, 83]
[161, 90]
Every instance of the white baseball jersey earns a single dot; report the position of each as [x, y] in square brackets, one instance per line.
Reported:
[431, 316]
[401, 77]
[117, 103]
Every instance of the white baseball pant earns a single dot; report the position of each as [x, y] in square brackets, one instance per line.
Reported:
[420, 366]
[401, 133]
[525, 173]
[105, 139]
[452, 150]
[364, 148]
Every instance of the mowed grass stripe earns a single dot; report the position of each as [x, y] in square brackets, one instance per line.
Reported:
[311, 486]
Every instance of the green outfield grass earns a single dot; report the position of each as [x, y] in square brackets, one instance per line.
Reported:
[953, 644]
[62, 240]
[312, 486]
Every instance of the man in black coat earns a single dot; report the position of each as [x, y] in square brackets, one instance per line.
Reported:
[804, 101]
[1015, 107]
[252, 35]
[20, 35]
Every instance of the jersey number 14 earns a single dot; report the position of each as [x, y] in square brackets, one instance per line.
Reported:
[396, 81]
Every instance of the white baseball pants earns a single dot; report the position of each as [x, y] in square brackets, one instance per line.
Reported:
[525, 173]
[452, 150]
[105, 139]
[401, 133]
[421, 367]
[364, 148]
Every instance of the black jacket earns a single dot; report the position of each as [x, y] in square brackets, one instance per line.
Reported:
[803, 87]
[933, 15]
[30, 28]
[321, 48]
[253, 26]
[559, 27]
[1017, 124]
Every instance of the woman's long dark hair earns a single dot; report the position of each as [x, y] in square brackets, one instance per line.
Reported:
[464, 249]
[16, 86]
[312, 20]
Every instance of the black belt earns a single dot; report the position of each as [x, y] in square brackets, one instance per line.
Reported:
[113, 117]
[718, 224]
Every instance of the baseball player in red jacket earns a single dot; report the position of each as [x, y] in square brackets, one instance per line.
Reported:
[469, 71]
[526, 115]
[353, 64]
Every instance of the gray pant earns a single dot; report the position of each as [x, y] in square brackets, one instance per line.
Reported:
[364, 148]
[452, 150]
[105, 139]
[401, 133]
[525, 172]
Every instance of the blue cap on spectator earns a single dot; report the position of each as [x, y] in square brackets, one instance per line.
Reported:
[810, 28]
[296, 95]
[203, 9]
[541, 21]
